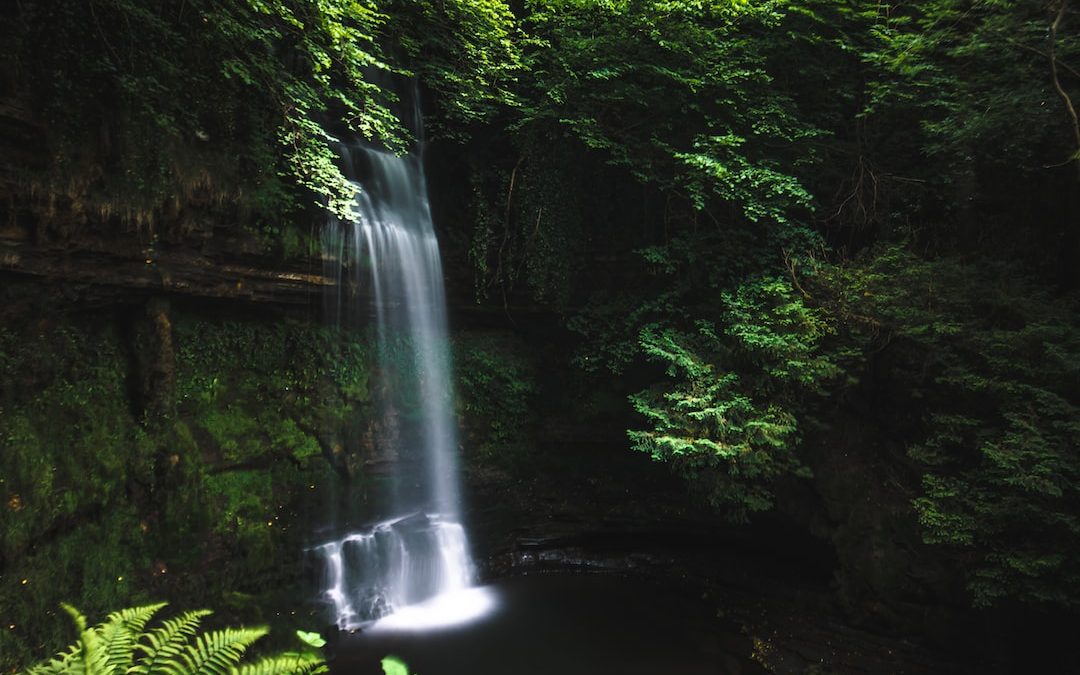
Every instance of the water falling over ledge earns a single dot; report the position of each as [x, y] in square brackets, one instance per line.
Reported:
[392, 566]
[420, 553]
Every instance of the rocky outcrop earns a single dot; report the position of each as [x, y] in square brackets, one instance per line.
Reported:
[44, 239]
[102, 268]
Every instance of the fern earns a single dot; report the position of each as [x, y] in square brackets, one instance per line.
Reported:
[121, 646]
[120, 634]
[166, 643]
[297, 663]
[215, 653]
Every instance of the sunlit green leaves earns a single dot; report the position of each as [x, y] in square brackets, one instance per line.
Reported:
[168, 102]
[469, 51]
[727, 417]
[178, 647]
[309, 638]
[392, 665]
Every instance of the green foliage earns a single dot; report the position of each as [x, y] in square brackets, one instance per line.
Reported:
[1003, 109]
[258, 389]
[536, 239]
[69, 441]
[98, 562]
[496, 386]
[392, 665]
[951, 126]
[671, 103]
[466, 50]
[199, 103]
[671, 90]
[122, 645]
[311, 639]
[726, 419]
[102, 509]
[255, 398]
[990, 361]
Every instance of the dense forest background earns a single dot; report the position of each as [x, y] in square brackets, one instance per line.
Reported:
[819, 258]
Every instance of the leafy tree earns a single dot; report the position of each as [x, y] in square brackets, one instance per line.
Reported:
[973, 103]
[467, 51]
[152, 108]
[672, 99]
[989, 363]
[728, 420]
[975, 69]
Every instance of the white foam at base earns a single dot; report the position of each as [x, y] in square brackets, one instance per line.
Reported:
[447, 610]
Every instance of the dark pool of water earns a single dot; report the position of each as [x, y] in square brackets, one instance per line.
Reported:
[564, 624]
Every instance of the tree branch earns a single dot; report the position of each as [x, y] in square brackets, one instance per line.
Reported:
[1062, 7]
[1061, 64]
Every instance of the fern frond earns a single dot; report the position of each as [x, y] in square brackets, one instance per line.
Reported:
[86, 656]
[166, 643]
[120, 633]
[290, 663]
[76, 616]
[95, 659]
[69, 660]
[176, 647]
[65, 663]
[136, 618]
[218, 652]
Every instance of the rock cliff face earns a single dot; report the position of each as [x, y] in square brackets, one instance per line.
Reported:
[124, 267]
[97, 258]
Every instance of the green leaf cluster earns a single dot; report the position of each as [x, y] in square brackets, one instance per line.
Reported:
[101, 506]
[121, 644]
[68, 442]
[159, 111]
[392, 665]
[727, 417]
[989, 362]
[496, 387]
[673, 103]
[468, 52]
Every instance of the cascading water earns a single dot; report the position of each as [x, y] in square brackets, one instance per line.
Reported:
[420, 553]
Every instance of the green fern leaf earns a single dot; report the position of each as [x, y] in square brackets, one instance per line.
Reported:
[219, 652]
[65, 663]
[136, 618]
[292, 663]
[164, 645]
[176, 647]
[76, 616]
[121, 631]
[87, 655]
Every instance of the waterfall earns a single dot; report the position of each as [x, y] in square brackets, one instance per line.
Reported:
[420, 552]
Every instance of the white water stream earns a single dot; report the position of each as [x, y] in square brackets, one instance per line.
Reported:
[421, 553]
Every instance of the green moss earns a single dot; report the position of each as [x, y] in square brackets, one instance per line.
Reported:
[98, 564]
[496, 386]
[70, 442]
[233, 431]
[213, 501]
[300, 444]
[244, 509]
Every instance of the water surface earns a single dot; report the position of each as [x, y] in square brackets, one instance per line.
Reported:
[563, 624]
